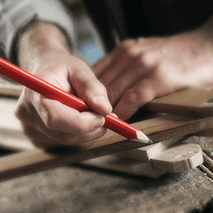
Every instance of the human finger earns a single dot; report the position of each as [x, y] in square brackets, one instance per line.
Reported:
[90, 89]
[127, 61]
[41, 140]
[59, 117]
[37, 138]
[108, 60]
[134, 98]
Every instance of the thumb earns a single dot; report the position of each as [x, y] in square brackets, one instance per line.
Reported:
[91, 90]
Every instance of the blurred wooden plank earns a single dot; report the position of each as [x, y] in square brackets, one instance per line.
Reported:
[157, 129]
[188, 96]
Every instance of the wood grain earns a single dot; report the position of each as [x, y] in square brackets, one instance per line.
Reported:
[124, 165]
[188, 96]
[179, 158]
[157, 129]
[174, 159]
[183, 110]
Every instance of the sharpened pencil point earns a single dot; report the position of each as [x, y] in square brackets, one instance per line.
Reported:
[150, 142]
[141, 137]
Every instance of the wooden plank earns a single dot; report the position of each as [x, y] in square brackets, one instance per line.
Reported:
[157, 129]
[188, 96]
[184, 110]
[146, 153]
[124, 165]
[174, 159]
[10, 90]
[179, 158]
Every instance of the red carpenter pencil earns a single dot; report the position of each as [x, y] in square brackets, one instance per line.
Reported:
[50, 91]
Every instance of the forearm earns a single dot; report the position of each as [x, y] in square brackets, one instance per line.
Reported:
[37, 43]
[17, 15]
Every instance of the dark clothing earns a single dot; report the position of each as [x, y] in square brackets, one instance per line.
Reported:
[149, 17]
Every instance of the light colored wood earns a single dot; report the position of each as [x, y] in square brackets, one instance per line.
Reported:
[207, 171]
[174, 159]
[148, 152]
[208, 161]
[124, 165]
[179, 158]
[11, 136]
[11, 90]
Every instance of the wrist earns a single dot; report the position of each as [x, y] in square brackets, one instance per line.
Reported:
[38, 42]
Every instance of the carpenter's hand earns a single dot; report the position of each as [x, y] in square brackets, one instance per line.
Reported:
[140, 70]
[49, 123]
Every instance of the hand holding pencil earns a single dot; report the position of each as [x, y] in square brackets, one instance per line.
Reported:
[55, 96]
[49, 123]
[49, 116]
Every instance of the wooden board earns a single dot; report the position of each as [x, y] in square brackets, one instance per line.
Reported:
[174, 159]
[189, 96]
[179, 158]
[9, 88]
[124, 165]
[37, 160]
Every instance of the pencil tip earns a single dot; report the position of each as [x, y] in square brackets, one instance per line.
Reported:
[150, 142]
[143, 138]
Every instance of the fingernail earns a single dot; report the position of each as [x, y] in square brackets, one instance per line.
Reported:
[103, 105]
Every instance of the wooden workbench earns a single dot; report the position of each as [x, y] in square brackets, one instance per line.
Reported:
[82, 189]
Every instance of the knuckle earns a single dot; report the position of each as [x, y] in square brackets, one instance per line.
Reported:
[48, 116]
[126, 44]
[96, 86]
[18, 112]
[99, 133]
[22, 107]
[130, 97]
[51, 121]
[160, 72]
[131, 52]
[82, 128]
[145, 60]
